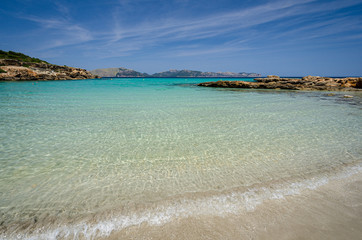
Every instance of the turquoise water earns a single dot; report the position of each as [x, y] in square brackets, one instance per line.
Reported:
[81, 153]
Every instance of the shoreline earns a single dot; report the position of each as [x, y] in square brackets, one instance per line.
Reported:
[305, 83]
[256, 207]
[338, 215]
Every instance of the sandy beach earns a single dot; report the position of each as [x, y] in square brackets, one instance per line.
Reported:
[332, 211]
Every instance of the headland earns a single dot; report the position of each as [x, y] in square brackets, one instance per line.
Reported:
[20, 67]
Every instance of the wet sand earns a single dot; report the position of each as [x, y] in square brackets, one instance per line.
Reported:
[332, 211]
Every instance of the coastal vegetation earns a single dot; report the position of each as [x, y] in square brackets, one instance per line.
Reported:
[20, 56]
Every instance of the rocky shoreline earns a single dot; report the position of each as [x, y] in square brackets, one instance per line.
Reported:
[15, 70]
[305, 83]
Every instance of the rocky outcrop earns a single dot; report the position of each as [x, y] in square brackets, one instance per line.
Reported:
[305, 83]
[16, 70]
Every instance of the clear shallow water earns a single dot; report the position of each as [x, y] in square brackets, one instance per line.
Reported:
[94, 156]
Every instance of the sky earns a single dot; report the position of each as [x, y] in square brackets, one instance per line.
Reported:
[280, 37]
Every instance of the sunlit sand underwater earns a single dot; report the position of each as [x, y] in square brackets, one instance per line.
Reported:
[163, 158]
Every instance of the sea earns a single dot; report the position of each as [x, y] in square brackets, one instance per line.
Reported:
[161, 158]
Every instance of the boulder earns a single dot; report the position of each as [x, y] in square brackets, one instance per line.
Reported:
[359, 83]
[273, 76]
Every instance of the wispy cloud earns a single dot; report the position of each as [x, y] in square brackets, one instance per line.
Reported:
[64, 31]
[222, 32]
[204, 51]
[209, 26]
[63, 9]
[235, 24]
[160, 32]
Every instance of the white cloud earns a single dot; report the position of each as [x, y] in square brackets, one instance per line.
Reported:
[234, 30]
[64, 31]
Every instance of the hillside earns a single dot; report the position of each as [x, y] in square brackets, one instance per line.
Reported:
[20, 67]
[178, 73]
[105, 72]
[19, 56]
[191, 73]
[117, 72]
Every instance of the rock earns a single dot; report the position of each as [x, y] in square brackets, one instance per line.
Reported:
[309, 78]
[273, 76]
[348, 96]
[306, 83]
[15, 70]
[359, 83]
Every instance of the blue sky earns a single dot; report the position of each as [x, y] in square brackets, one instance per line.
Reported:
[283, 37]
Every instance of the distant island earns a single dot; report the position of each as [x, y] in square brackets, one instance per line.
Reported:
[118, 72]
[16, 66]
[124, 72]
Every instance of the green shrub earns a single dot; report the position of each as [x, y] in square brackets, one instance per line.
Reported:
[20, 57]
[2, 71]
